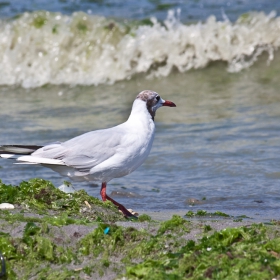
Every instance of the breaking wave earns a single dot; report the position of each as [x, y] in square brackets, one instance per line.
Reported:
[51, 48]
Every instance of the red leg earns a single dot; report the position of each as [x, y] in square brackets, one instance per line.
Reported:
[104, 197]
[103, 191]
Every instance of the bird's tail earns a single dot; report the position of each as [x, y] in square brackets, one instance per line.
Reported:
[17, 150]
[22, 153]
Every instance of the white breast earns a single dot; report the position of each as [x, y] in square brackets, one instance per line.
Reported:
[134, 148]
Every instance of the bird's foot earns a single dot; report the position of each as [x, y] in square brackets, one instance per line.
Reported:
[133, 212]
[128, 214]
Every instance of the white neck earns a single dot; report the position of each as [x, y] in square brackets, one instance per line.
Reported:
[139, 108]
[139, 114]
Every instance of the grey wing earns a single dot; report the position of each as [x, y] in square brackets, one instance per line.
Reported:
[85, 151]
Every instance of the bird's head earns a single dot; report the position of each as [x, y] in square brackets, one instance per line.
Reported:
[153, 101]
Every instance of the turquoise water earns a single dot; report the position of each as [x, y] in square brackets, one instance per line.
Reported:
[221, 142]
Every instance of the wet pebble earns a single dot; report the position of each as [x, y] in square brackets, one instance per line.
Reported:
[193, 201]
[6, 206]
[258, 201]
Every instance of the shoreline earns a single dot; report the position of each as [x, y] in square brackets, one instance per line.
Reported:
[111, 261]
[54, 235]
[163, 215]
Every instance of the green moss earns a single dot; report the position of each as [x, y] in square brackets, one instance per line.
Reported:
[41, 196]
[30, 230]
[221, 214]
[7, 193]
[88, 270]
[46, 250]
[177, 223]
[15, 217]
[201, 213]
[32, 249]
[190, 214]
[7, 248]
[144, 218]
[207, 228]
[48, 273]
[234, 253]
[275, 222]
[118, 239]
[243, 216]
[273, 245]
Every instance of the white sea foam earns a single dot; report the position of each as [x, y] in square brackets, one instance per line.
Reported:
[42, 47]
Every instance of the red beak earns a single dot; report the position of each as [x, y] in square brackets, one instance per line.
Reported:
[168, 103]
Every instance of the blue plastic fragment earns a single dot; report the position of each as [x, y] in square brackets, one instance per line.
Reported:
[106, 230]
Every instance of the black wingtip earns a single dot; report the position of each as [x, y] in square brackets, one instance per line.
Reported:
[19, 149]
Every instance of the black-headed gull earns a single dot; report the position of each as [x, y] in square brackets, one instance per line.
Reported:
[100, 155]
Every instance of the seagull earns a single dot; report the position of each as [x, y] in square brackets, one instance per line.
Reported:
[99, 155]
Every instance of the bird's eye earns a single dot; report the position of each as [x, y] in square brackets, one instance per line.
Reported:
[158, 98]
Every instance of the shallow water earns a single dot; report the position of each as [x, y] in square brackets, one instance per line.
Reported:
[221, 142]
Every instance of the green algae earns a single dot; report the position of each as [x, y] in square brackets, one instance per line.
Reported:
[233, 253]
[131, 243]
[41, 194]
[27, 253]
[42, 197]
[275, 222]
[118, 239]
[201, 213]
[207, 228]
[45, 249]
[144, 218]
[176, 223]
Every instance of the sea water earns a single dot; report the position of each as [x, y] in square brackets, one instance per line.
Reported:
[64, 72]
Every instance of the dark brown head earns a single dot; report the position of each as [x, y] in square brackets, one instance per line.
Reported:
[153, 101]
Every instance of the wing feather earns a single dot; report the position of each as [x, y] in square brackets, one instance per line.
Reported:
[85, 151]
